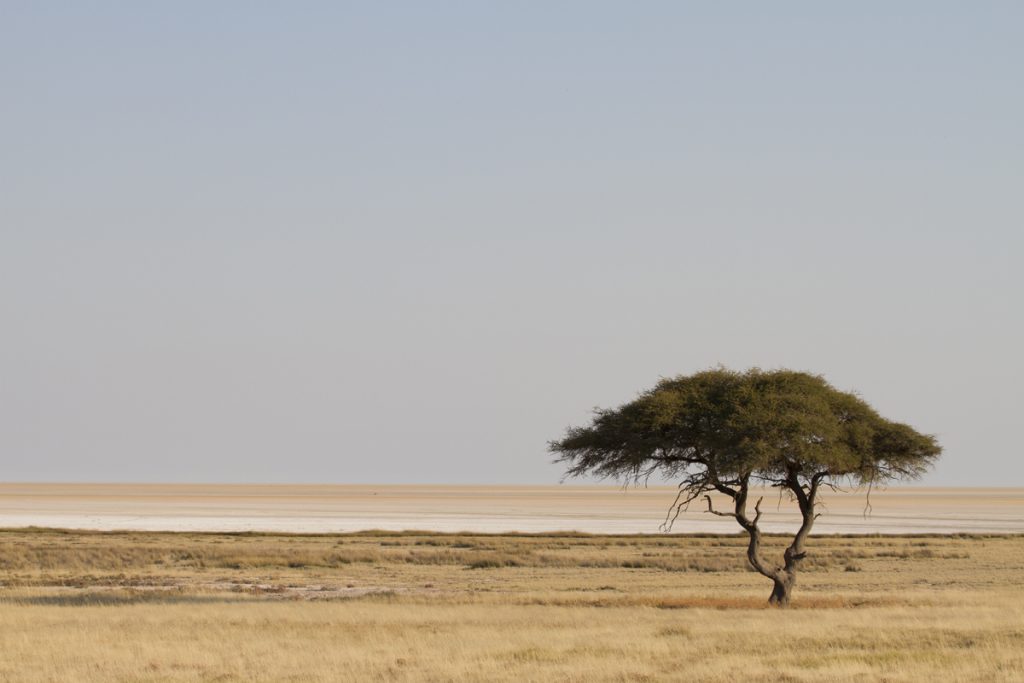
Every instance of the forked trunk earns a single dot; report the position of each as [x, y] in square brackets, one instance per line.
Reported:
[784, 577]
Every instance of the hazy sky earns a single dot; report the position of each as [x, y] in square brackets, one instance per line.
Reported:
[412, 242]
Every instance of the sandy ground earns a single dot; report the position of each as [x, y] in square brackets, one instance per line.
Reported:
[593, 509]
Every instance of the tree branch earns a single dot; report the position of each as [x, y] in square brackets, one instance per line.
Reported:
[713, 511]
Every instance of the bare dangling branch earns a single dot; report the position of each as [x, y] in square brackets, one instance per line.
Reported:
[867, 498]
[677, 507]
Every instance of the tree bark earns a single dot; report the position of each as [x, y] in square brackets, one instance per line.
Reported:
[784, 582]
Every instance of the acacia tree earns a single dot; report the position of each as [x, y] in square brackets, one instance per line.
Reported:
[721, 431]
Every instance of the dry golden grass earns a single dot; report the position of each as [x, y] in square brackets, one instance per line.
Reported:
[87, 606]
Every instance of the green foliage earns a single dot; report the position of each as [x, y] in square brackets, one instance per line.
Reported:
[725, 426]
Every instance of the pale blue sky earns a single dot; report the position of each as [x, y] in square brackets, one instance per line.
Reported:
[412, 242]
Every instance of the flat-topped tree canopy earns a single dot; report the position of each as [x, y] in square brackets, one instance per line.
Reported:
[765, 424]
[721, 430]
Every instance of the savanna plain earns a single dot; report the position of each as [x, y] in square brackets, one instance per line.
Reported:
[414, 606]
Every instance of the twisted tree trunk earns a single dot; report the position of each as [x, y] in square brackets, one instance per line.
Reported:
[783, 577]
